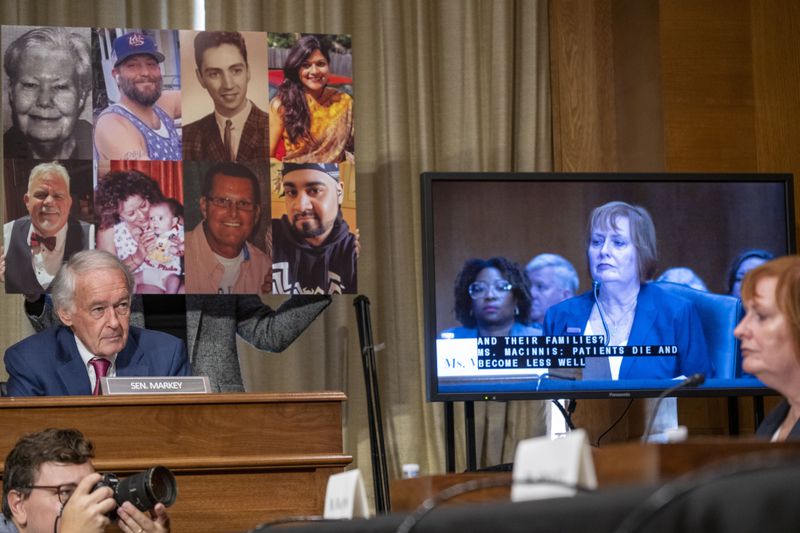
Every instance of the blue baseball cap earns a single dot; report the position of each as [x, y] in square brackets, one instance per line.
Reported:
[133, 44]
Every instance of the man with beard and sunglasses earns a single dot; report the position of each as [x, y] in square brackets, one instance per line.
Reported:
[313, 250]
[142, 124]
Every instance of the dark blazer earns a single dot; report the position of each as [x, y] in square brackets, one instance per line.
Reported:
[660, 319]
[48, 363]
[202, 140]
[20, 277]
[773, 421]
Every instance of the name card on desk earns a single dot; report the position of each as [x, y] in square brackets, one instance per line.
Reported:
[566, 462]
[345, 497]
[155, 385]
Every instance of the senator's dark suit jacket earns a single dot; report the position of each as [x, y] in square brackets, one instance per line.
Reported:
[202, 140]
[48, 363]
[661, 318]
[773, 421]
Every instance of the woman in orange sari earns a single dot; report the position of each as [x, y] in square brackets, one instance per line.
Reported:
[314, 121]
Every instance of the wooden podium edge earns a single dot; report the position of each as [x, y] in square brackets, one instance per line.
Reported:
[229, 463]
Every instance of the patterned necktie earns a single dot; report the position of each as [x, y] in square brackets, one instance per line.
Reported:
[228, 144]
[100, 365]
[48, 242]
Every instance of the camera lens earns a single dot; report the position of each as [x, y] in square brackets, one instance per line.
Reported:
[163, 487]
[145, 489]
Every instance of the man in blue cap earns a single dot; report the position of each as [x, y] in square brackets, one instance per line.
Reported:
[142, 124]
[313, 250]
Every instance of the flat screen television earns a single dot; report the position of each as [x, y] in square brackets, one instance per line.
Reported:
[702, 222]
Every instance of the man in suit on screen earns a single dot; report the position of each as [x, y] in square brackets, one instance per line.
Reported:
[553, 280]
[237, 129]
[92, 296]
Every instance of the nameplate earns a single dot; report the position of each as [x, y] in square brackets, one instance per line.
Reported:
[545, 468]
[345, 496]
[155, 385]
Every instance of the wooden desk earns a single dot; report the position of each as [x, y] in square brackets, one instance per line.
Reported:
[629, 463]
[239, 459]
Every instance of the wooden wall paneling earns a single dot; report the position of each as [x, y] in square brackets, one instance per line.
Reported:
[581, 77]
[776, 75]
[707, 85]
[638, 117]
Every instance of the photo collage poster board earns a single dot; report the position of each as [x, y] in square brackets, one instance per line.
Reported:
[208, 162]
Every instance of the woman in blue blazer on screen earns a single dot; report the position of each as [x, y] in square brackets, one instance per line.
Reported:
[492, 298]
[626, 309]
[770, 335]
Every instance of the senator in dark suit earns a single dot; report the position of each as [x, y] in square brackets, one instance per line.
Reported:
[213, 324]
[48, 363]
[92, 296]
[237, 129]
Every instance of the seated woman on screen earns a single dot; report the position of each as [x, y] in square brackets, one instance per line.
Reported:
[624, 308]
[744, 263]
[770, 335]
[492, 298]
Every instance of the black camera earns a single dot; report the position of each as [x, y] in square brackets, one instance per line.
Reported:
[144, 489]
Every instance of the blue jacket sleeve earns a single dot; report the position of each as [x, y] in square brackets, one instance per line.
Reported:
[21, 378]
[180, 365]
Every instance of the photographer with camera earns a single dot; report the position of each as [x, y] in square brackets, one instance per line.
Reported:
[50, 485]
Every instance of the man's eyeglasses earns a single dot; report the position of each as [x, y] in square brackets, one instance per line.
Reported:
[226, 203]
[479, 289]
[64, 492]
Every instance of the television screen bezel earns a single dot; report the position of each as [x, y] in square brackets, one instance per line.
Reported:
[427, 180]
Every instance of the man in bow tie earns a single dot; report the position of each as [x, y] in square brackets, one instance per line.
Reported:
[92, 297]
[36, 245]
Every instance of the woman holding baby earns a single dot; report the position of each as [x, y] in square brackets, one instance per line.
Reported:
[142, 228]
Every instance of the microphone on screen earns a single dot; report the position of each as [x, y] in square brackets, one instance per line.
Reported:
[596, 293]
[692, 381]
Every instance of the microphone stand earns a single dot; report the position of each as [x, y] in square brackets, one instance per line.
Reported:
[380, 472]
[692, 381]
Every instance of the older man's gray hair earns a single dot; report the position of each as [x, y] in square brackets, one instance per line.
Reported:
[62, 290]
[564, 271]
[48, 168]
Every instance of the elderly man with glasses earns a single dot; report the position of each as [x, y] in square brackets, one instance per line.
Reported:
[91, 295]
